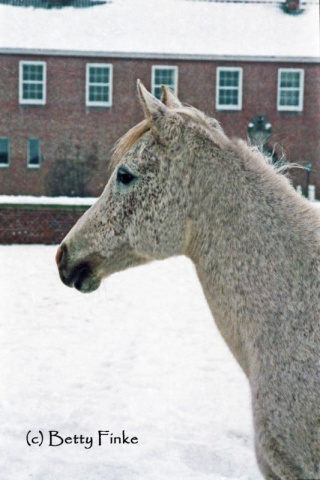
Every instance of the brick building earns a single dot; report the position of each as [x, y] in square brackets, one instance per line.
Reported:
[68, 82]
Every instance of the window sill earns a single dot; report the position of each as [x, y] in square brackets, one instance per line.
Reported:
[31, 103]
[289, 110]
[98, 105]
[229, 109]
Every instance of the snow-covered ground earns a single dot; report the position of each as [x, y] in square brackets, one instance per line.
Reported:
[32, 200]
[141, 354]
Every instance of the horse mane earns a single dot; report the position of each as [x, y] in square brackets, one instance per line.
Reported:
[251, 155]
[206, 126]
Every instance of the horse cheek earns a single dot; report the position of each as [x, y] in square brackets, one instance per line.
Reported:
[163, 234]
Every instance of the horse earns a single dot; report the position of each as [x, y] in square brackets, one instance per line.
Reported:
[180, 186]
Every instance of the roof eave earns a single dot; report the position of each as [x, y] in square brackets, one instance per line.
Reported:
[157, 56]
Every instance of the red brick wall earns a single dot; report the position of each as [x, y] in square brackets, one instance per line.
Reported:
[46, 224]
[66, 119]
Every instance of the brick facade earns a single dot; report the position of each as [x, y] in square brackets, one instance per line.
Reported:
[65, 119]
[47, 224]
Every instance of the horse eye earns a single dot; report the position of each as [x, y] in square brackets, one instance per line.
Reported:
[124, 176]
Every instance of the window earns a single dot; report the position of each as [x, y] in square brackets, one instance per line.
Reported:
[34, 152]
[164, 76]
[4, 152]
[99, 85]
[229, 88]
[290, 89]
[32, 84]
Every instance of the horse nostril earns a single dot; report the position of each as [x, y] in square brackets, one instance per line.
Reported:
[80, 275]
[61, 252]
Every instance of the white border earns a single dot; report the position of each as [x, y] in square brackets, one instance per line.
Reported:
[164, 67]
[24, 101]
[28, 158]
[239, 88]
[6, 165]
[110, 85]
[291, 108]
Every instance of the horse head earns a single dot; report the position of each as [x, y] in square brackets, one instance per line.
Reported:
[142, 213]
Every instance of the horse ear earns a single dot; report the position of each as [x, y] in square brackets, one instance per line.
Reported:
[152, 107]
[168, 98]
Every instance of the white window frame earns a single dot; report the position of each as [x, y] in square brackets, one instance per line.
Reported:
[291, 108]
[30, 165]
[110, 85]
[31, 101]
[6, 165]
[164, 67]
[238, 88]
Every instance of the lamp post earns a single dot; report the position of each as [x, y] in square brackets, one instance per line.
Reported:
[259, 131]
[308, 172]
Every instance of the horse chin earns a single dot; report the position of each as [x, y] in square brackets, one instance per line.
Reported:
[88, 285]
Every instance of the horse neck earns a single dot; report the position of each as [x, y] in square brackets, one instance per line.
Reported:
[254, 253]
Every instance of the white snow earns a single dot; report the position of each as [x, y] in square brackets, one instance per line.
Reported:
[168, 27]
[142, 354]
[41, 200]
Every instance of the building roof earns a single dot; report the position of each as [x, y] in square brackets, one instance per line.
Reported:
[166, 29]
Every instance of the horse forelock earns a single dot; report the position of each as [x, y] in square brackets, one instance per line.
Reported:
[127, 141]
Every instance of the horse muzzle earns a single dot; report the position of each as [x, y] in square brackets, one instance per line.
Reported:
[80, 276]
